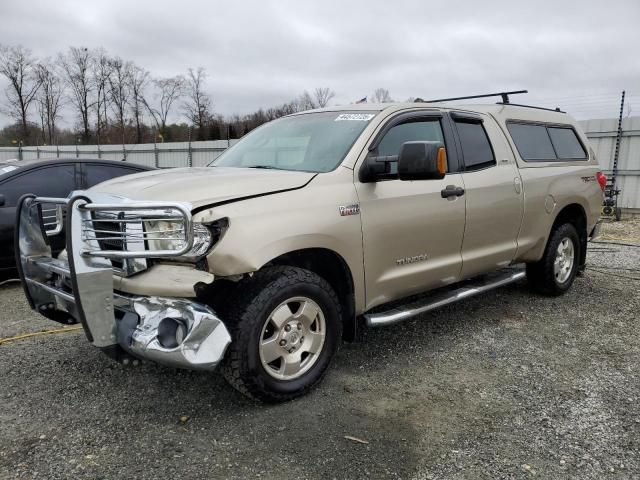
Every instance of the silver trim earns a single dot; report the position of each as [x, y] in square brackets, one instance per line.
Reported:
[55, 291]
[202, 346]
[142, 212]
[405, 312]
[93, 282]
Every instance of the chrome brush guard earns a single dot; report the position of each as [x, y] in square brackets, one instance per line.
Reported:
[80, 287]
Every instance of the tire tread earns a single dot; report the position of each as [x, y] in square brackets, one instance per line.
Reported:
[241, 310]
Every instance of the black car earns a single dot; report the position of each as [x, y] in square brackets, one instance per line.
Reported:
[47, 178]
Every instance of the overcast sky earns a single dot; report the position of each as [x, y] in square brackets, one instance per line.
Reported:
[259, 53]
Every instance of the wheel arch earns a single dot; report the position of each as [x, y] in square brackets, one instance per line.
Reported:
[333, 268]
[574, 214]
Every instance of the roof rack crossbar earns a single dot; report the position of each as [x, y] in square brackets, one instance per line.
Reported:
[557, 109]
[504, 95]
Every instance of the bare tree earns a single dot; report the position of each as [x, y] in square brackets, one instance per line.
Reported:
[76, 65]
[305, 102]
[167, 91]
[381, 95]
[198, 103]
[49, 99]
[323, 96]
[17, 64]
[119, 91]
[138, 79]
[100, 70]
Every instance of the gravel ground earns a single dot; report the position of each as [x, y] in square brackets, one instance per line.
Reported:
[507, 385]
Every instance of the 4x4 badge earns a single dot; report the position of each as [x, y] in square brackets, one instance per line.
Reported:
[349, 209]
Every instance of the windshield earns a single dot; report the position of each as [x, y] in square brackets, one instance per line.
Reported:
[314, 142]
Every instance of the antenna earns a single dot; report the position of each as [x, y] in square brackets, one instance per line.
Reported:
[504, 95]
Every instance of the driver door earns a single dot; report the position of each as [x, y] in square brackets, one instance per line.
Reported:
[412, 232]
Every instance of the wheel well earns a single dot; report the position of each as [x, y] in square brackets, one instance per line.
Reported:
[331, 267]
[575, 215]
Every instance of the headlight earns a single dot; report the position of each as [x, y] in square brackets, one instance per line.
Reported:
[202, 240]
[168, 235]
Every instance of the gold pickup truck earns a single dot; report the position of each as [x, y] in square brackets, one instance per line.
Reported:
[310, 227]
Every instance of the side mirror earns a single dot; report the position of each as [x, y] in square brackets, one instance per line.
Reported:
[2, 200]
[422, 161]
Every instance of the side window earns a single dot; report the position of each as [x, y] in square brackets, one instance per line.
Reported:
[425, 130]
[476, 148]
[538, 142]
[566, 143]
[52, 181]
[532, 141]
[99, 173]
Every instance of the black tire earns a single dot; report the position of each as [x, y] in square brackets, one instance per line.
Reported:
[541, 274]
[246, 314]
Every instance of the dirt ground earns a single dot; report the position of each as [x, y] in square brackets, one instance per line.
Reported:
[506, 385]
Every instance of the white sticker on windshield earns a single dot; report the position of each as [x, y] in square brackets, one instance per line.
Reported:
[358, 117]
[8, 169]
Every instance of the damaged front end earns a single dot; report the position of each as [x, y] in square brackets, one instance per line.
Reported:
[109, 239]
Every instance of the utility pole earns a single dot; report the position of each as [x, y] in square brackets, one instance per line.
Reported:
[613, 192]
[618, 139]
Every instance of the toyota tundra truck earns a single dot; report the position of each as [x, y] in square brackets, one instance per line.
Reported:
[310, 227]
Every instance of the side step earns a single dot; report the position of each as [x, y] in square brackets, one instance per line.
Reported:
[471, 288]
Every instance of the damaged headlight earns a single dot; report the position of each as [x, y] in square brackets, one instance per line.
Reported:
[169, 235]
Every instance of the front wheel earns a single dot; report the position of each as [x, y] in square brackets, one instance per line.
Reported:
[555, 272]
[285, 326]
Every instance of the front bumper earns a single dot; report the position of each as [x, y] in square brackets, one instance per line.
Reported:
[172, 331]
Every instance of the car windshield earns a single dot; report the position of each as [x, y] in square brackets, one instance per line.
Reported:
[313, 142]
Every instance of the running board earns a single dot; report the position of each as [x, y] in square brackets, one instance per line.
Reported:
[403, 312]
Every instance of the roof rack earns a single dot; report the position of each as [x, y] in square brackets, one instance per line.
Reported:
[504, 95]
[557, 109]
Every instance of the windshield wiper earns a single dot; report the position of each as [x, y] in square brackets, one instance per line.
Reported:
[265, 167]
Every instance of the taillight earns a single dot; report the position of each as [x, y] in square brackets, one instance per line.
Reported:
[602, 180]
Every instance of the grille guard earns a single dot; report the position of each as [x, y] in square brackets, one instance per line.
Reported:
[89, 271]
[81, 287]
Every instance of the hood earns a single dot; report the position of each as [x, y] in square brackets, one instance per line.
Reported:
[203, 186]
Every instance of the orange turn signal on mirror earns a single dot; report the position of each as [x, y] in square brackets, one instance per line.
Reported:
[442, 160]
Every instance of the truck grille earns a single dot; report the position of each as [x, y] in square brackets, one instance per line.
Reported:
[109, 237]
[109, 232]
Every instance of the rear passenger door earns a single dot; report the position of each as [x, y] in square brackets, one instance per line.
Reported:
[494, 195]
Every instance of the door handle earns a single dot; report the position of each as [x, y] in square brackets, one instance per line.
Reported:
[452, 191]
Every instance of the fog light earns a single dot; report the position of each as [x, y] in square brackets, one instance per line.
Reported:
[171, 332]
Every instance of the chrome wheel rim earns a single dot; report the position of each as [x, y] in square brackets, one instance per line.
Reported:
[565, 258]
[292, 338]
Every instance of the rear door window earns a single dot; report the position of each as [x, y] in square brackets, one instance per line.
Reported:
[476, 148]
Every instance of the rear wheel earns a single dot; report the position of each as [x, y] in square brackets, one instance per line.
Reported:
[555, 272]
[285, 326]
